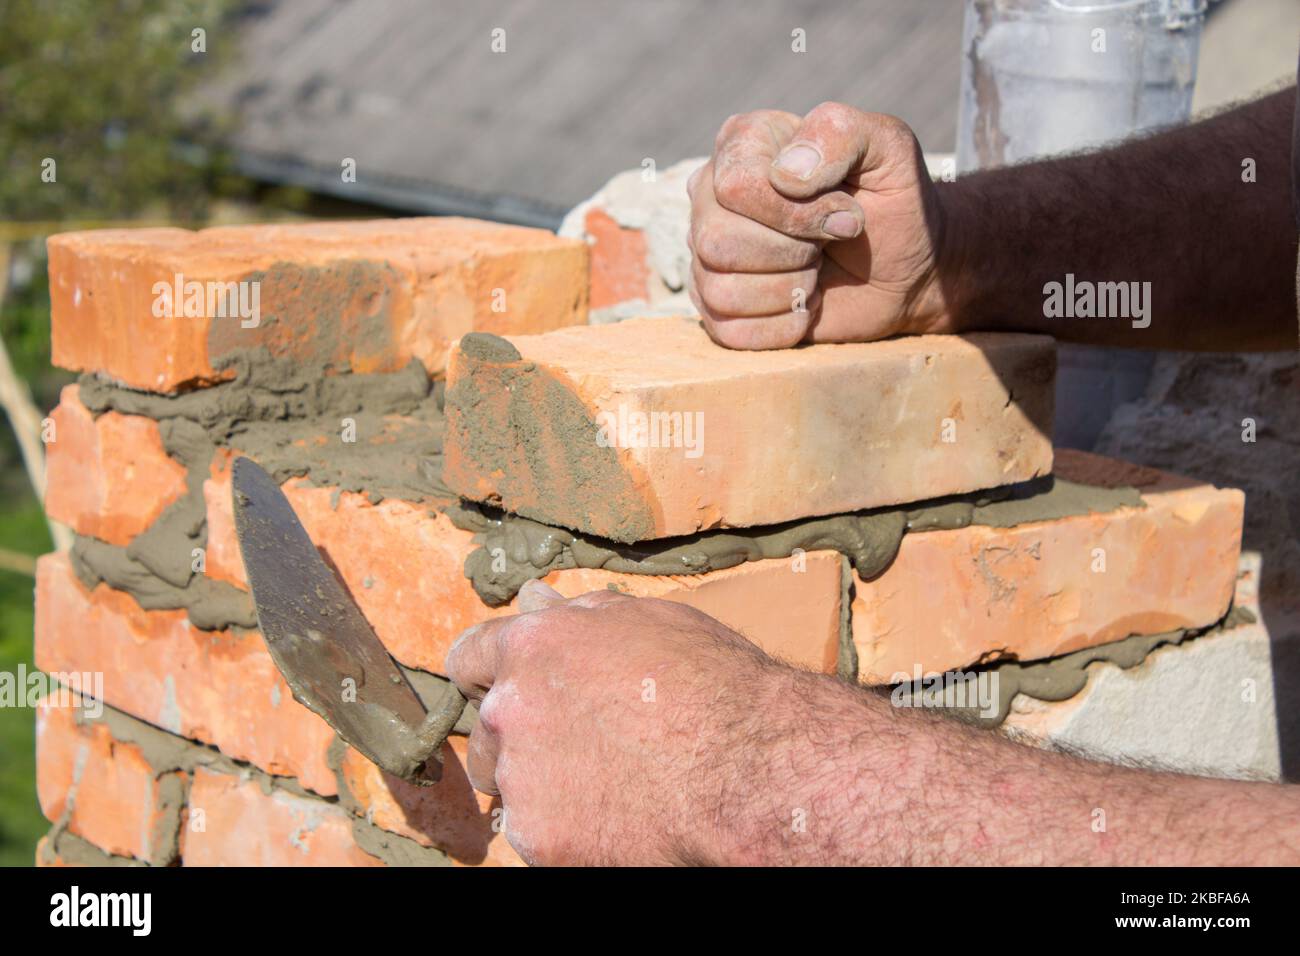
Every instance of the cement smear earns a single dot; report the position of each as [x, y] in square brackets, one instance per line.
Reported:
[347, 304]
[363, 433]
[210, 605]
[1060, 678]
[847, 656]
[869, 539]
[548, 437]
[393, 849]
[168, 754]
[62, 846]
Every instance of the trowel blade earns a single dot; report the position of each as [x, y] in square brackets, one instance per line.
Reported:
[323, 644]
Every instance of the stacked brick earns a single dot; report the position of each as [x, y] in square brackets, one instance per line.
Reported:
[197, 754]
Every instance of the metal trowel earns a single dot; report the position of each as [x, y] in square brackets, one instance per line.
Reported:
[323, 644]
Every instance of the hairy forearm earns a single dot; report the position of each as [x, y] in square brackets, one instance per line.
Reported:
[1174, 210]
[834, 774]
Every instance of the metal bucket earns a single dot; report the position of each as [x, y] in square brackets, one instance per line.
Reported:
[1041, 77]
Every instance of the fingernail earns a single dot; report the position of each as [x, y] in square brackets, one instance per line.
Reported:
[799, 160]
[841, 225]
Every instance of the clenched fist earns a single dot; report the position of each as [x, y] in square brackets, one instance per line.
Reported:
[822, 228]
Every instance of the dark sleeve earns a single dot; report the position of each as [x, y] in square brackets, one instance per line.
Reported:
[1295, 155]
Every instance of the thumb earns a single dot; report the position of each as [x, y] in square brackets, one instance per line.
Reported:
[833, 143]
[537, 595]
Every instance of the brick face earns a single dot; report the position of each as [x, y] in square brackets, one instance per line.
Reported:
[109, 792]
[450, 815]
[620, 266]
[777, 435]
[405, 567]
[242, 824]
[107, 477]
[369, 295]
[954, 597]
[221, 688]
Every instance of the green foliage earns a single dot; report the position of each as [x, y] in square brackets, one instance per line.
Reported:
[107, 91]
[25, 325]
[22, 528]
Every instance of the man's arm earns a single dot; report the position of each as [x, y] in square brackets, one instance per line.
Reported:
[624, 730]
[1175, 210]
[828, 228]
[880, 785]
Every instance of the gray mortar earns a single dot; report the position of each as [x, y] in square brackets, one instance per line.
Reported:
[548, 438]
[274, 410]
[847, 658]
[392, 848]
[869, 539]
[487, 347]
[167, 754]
[1060, 678]
[347, 305]
[61, 845]
[271, 411]
[210, 605]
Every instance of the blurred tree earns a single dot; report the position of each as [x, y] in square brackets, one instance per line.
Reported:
[101, 119]
[101, 122]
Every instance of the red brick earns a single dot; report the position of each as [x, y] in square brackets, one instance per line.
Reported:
[955, 597]
[405, 567]
[242, 824]
[117, 800]
[107, 477]
[222, 561]
[450, 815]
[221, 688]
[372, 295]
[620, 265]
[787, 434]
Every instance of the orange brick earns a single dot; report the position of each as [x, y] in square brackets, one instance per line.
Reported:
[955, 597]
[405, 567]
[112, 796]
[107, 477]
[243, 825]
[371, 295]
[450, 815]
[221, 688]
[785, 434]
[620, 265]
[222, 561]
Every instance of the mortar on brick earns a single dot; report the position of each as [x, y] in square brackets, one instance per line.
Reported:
[271, 405]
[869, 539]
[1060, 678]
[60, 848]
[169, 755]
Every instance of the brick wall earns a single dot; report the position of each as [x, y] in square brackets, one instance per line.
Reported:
[346, 383]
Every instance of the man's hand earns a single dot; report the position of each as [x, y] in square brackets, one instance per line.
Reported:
[623, 730]
[820, 229]
[610, 725]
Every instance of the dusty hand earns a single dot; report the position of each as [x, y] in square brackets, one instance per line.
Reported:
[610, 725]
[815, 229]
